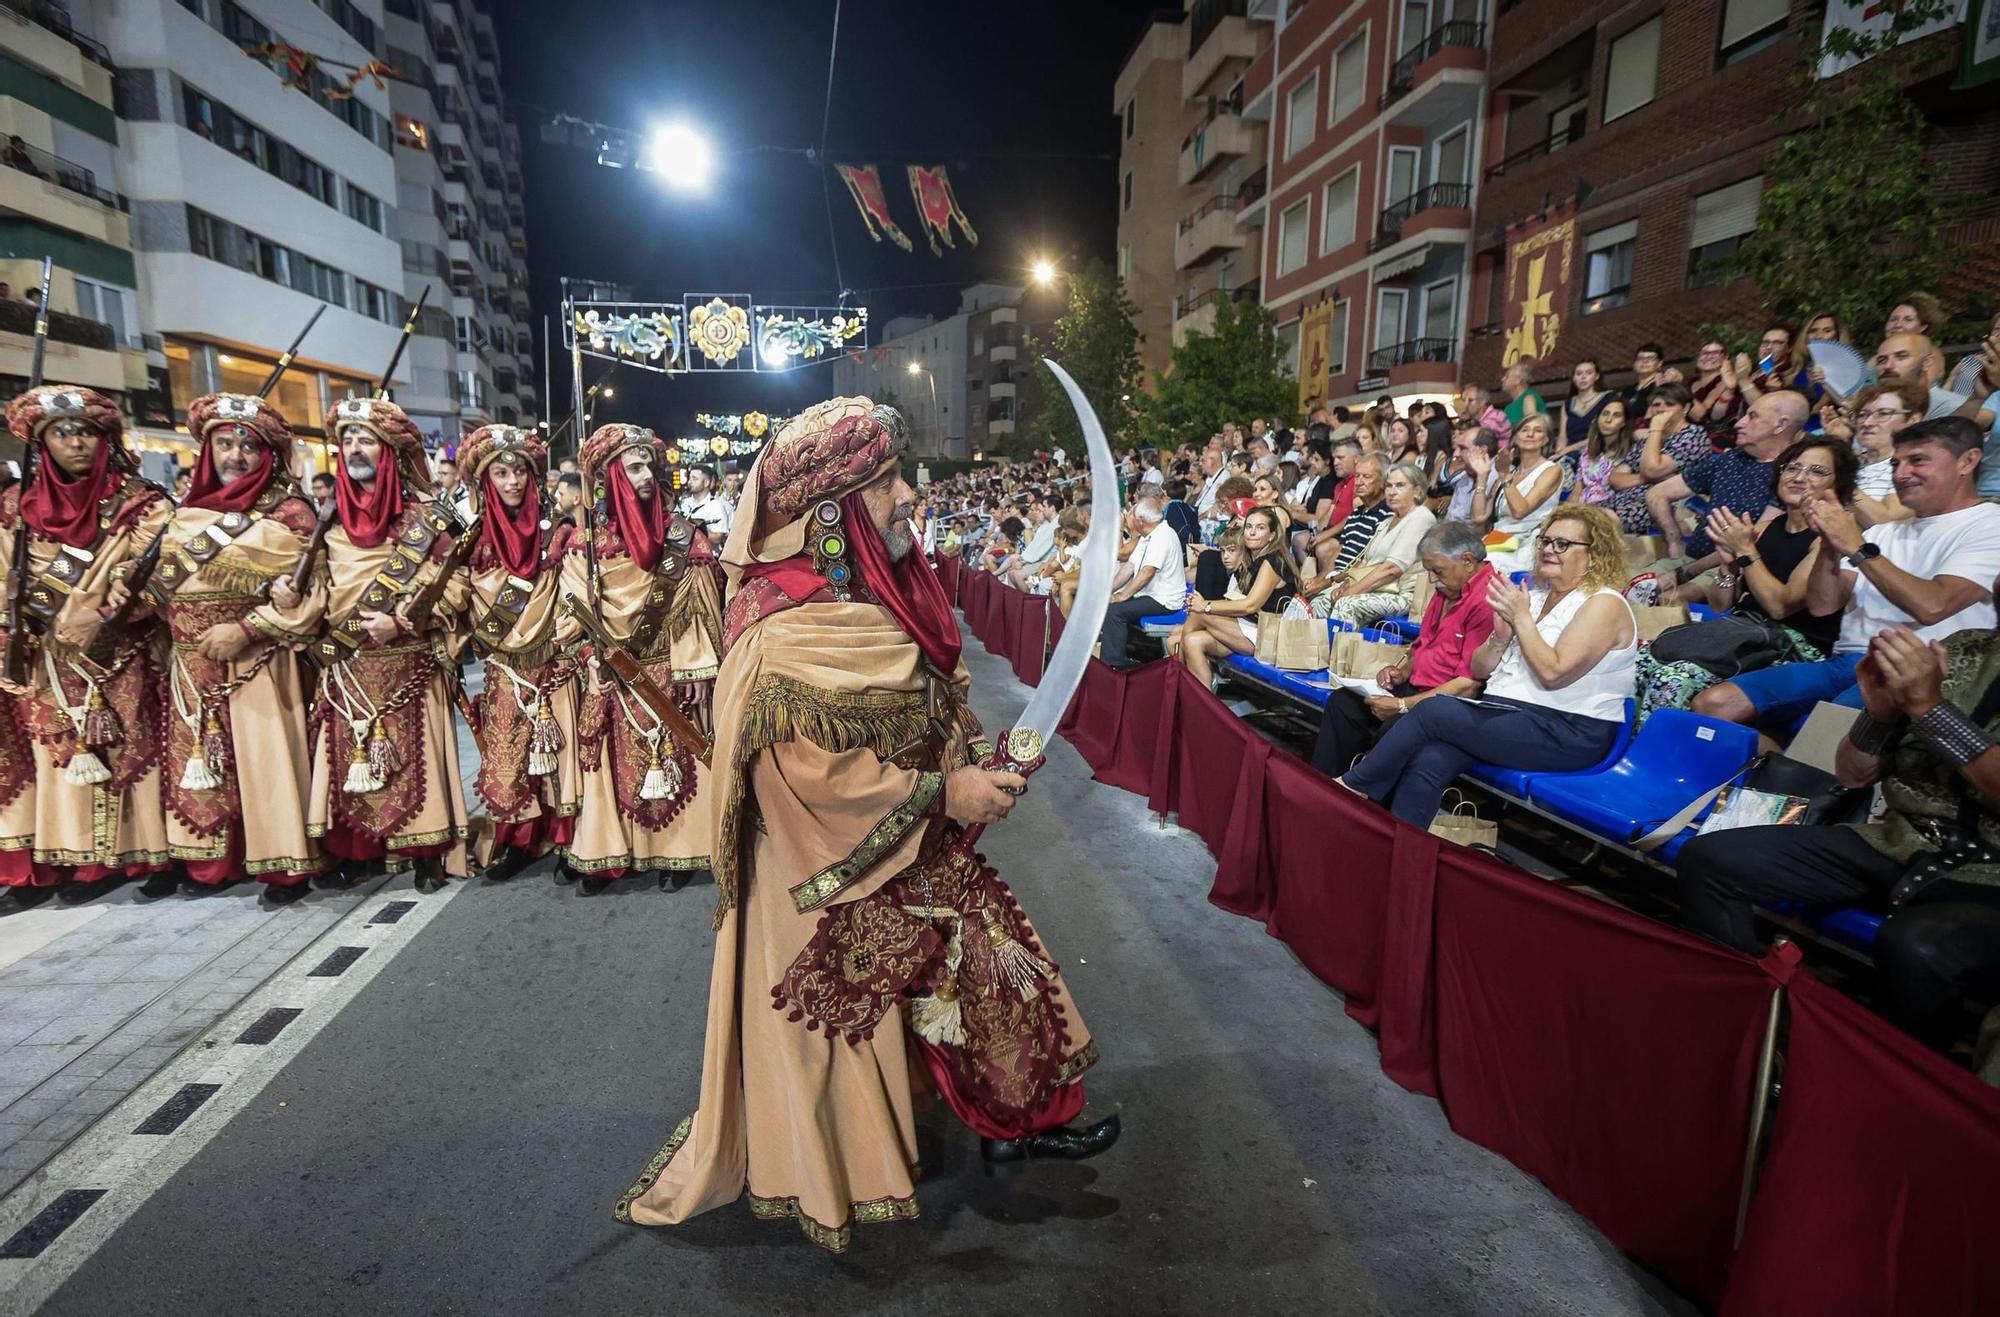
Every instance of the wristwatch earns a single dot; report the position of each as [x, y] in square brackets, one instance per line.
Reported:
[1868, 550]
[1742, 562]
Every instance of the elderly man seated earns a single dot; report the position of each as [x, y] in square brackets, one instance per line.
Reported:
[1932, 574]
[1739, 479]
[1455, 625]
[1155, 580]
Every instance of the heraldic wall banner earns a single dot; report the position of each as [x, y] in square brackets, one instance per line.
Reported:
[1541, 255]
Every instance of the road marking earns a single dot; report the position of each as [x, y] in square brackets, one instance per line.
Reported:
[57, 1218]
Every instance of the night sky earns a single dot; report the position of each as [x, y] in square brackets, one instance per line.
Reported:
[1014, 97]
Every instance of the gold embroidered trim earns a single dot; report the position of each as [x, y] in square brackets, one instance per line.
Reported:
[695, 601]
[122, 860]
[229, 580]
[881, 839]
[283, 864]
[783, 708]
[835, 1239]
[1076, 1065]
[622, 1210]
[635, 864]
[697, 674]
[317, 830]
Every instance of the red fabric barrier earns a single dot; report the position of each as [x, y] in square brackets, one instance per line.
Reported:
[1330, 915]
[1097, 723]
[1878, 1193]
[1607, 1054]
[1196, 769]
[1028, 621]
[949, 569]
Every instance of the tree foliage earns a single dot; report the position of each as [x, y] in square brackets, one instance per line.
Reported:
[1233, 372]
[1097, 342]
[1850, 220]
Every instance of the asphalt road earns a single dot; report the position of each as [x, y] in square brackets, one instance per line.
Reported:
[453, 1140]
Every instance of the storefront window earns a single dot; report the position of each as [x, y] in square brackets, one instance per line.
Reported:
[180, 379]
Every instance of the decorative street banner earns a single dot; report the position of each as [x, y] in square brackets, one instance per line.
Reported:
[1540, 255]
[710, 332]
[1874, 19]
[1982, 44]
[1314, 344]
[937, 207]
[864, 184]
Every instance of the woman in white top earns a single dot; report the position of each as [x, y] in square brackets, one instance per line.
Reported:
[1558, 670]
[1519, 504]
[1383, 578]
[1872, 420]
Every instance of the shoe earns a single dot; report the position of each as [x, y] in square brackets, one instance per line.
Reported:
[339, 878]
[595, 883]
[75, 893]
[564, 874]
[509, 862]
[430, 874]
[162, 884]
[1065, 1143]
[672, 880]
[284, 893]
[22, 898]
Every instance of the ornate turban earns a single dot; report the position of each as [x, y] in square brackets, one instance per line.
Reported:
[254, 414]
[393, 426]
[601, 450]
[827, 451]
[490, 442]
[34, 411]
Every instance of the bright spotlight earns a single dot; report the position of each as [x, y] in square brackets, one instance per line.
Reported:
[680, 155]
[1045, 273]
[774, 353]
[916, 368]
[610, 392]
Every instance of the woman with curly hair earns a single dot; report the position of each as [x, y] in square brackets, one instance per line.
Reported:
[1557, 669]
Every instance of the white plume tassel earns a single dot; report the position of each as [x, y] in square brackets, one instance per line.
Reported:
[85, 769]
[196, 775]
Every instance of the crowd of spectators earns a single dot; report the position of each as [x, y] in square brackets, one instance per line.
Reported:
[1834, 549]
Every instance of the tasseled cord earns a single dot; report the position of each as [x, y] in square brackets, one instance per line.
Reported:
[203, 769]
[546, 740]
[98, 727]
[938, 1019]
[663, 775]
[363, 773]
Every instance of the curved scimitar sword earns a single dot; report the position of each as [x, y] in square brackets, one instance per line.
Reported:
[1020, 750]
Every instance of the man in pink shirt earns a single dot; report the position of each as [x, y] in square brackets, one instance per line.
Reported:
[1457, 622]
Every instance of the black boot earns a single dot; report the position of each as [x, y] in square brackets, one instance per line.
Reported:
[76, 893]
[430, 873]
[24, 897]
[594, 883]
[564, 874]
[285, 893]
[339, 878]
[507, 863]
[1065, 1143]
[672, 880]
[162, 884]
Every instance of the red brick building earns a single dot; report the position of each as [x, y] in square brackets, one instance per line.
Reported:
[1661, 119]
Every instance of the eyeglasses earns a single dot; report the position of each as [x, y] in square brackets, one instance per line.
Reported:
[1881, 413]
[1561, 545]
[1801, 469]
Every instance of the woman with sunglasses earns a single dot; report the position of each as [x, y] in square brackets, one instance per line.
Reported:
[1557, 669]
[1764, 582]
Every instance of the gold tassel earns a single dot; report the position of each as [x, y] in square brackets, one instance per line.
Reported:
[938, 1020]
[196, 774]
[100, 725]
[361, 776]
[544, 742]
[662, 778]
[1019, 967]
[85, 769]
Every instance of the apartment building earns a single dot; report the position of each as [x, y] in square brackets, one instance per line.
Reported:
[59, 197]
[1647, 129]
[1367, 203]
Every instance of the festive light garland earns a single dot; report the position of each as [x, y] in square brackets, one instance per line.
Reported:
[655, 337]
[714, 334]
[782, 336]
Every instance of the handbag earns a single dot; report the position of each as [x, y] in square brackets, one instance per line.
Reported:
[1292, 644]
[1458, 820]
[1728, 645]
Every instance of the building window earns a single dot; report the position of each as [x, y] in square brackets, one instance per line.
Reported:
[1607, 271]
[1749, 26]
[1350, 79]
[1451, 159]
[1292, 236]
[1299, 116]
[366, 208]
[1568, 124]
[1721, 219]
[1389, 306]
[1288, 348]
[1128, 192]
[1337, 212]
[1131, 117]
[1632, 72]
[1336, 340]
[1440, 310]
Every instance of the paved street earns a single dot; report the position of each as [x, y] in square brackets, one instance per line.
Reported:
[444, 1121]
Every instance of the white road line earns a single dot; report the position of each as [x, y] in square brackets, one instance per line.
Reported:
[132, 1167]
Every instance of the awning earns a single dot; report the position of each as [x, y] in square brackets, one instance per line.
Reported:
[1410, 260]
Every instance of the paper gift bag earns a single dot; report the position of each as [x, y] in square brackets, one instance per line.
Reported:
[1458, 820]
[1356, 657]
[1642, 551]
[1293, 644]
[1655, 618]
[1420, 597]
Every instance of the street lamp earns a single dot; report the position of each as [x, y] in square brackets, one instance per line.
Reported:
[1044, 272]
[679, 155]
[918, 368]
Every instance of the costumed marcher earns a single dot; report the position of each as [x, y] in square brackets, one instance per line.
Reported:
[80, 748]
[385, 777]
[858, 942]
[527, 713]
[658, 596]
[236, 765]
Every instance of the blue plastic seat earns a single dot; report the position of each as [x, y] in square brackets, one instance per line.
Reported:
[1848, 925]
[1308, 688]
[1674, 758]
[1406, 628]
[1516, 782]
[1161, 623]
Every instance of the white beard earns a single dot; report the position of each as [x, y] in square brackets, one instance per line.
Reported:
[359, 469]
[898, 541]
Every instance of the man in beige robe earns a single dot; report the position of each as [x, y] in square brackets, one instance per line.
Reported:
[528, 771]
[235, 775]
[385, 774]
[79, 749]
[859, 943]
[653, 586]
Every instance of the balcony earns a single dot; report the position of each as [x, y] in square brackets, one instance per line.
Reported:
[1218, 32]
[1001, 389]
[1411, 352]
[1225, 136]
[1002, 352]
[1554, 142]
[62, 195]
[1438, 196]
[1003, 315]
[1209, 230]
[56, 19]
[1250, 199]
[1403, 73]
[1197, 315]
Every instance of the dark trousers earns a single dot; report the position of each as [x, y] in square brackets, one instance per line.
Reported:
[1433, 743]
[1119, 619]
[1211, 578]
[1929, 955]
[1347, 729]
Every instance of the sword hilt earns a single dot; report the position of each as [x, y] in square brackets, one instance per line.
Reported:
[1002, 760]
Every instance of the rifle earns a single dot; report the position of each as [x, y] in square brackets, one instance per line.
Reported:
[285, 362]
[409, 328]
[16, 670]
[136, 579]
[627, 670]
[461, 552]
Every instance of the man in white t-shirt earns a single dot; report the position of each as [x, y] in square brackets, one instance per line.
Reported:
[704, 507]
[1213, 472]
[1157, 582]
[1934, 575]
[1040, 545]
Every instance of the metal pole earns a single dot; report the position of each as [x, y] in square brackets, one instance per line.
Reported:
[548, 416]
[1760, 1102]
